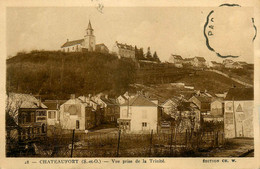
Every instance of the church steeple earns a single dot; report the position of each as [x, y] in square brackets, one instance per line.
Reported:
[89, 38]
[89, 29]
[89, 25]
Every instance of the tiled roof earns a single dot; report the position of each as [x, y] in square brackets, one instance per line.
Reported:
[201, 59]
[125, 46]
[72, 43]
[177, 57]
[54, 104]
[139, 100]
[240, 94]
[108, 101]
[25, 101]
[203, 99]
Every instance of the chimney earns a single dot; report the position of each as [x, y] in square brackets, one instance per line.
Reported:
[40, 102]
[72, 96]
[67, 40]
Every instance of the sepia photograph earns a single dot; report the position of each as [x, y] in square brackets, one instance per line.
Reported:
[114, 82]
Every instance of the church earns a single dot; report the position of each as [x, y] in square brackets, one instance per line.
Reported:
[88, 43]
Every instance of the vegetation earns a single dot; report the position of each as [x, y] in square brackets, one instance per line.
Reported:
[58, 74]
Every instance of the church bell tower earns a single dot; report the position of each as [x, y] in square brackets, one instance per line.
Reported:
[89, 38]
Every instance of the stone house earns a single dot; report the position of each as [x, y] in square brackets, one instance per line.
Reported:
[53, 111]
[31, 116]
[177, 60]
[203, 103]
[238, 113]
[77, 114]
[199, 62]
[140, 115]
[123, 50]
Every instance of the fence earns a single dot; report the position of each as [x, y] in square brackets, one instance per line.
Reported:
[120, 144]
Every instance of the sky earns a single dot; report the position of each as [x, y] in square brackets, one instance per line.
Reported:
[166, 30]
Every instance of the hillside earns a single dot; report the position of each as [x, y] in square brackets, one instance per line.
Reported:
[57, 74]
[53, 74]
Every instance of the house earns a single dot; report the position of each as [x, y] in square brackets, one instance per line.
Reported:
[202, 102]
[214, 64]
[238, 113]
[124, 50]
[188, 61]
[176, 60]
[169, 106]
[140, 115]
[216, 110]
[236, 65]
[199, 62]
[102, 48]
[76, 114]
[121, 99]
[110, 110]
[53, 111]
[242, 63]
[88, 43]
[31, 115]
[228, 63]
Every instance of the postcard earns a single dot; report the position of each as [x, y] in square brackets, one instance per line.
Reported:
[144, 84]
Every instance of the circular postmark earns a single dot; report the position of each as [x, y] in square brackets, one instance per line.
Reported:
[229, 30]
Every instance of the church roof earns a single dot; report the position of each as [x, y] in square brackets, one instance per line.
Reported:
[72, 43]
[89, 25]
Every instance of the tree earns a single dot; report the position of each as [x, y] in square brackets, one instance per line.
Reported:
[156, 58]
[148, 54]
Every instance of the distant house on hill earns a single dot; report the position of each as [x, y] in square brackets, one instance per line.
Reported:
[102, 48]
[123, 50]
[199, 62]
[236, 65]
[176, 60]
[238, 113]
[88, 43]
[228, 63]
[140, 115]
[215, 64]
[188, 61]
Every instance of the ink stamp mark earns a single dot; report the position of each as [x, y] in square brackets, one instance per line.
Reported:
[228, 30]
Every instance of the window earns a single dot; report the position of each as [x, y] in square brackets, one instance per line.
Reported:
[144, 124]
[73, 48]
[77, 124]
[68, 49]
[51, 114]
